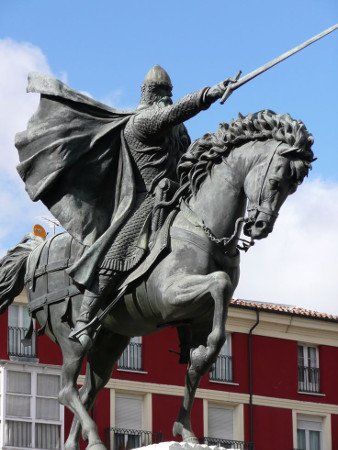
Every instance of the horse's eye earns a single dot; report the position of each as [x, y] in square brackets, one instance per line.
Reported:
[274, 183]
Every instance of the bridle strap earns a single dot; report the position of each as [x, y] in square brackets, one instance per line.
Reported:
[266, 211]
[258, 207]
[225, 243]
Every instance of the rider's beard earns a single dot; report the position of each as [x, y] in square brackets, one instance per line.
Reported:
[164, 101]
[150, 96]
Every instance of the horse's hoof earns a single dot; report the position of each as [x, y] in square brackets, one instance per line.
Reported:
[191, 440]
[97, 446]
[177, 429]
[187, 435]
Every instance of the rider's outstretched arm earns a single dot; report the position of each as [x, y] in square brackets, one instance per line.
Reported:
[155, 121]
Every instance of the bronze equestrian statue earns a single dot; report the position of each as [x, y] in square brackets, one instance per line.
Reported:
[105, 203]
[148, 216]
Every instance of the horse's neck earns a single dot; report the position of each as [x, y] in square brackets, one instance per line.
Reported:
[220, 200]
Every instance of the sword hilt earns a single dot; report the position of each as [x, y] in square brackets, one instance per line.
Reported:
[230, 86]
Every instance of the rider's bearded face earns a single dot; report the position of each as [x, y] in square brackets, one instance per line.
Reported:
[157, 94]
[164, 94]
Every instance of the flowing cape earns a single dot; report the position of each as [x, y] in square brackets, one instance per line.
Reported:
[74, 159]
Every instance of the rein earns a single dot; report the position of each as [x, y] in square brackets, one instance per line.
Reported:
[228, 243]
[225, 243]
[257, 207]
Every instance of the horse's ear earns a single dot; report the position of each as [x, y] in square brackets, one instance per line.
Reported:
[289, 151]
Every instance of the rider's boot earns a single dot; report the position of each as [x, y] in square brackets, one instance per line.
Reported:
[89, 307]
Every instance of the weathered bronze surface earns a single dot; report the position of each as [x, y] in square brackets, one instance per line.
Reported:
[152, 221]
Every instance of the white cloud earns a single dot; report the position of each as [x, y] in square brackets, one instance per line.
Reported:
[16, 106]
[115, 100]
[298, 263]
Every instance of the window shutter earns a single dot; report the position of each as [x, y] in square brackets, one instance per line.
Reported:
[18, 382]
[306, 422]
[128, 412]
[300, 355]
[312, 357]
[13, 316]
[18, 434]
[48, 385]
[47, 436]
[220, 422]
[226, 349]
[47, 405]
[18, 402]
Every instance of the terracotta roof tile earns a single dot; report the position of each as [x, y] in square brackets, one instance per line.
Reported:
[283, 309]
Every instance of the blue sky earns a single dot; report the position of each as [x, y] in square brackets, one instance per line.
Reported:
[106, 47]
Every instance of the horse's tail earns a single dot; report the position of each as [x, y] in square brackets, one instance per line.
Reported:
[13, 269]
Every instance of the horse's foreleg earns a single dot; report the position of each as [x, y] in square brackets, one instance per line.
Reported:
[218, 285]
[106, 350]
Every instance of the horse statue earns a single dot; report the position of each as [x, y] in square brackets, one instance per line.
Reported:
[233, 180]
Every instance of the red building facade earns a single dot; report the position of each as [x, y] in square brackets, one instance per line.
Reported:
[273, 386]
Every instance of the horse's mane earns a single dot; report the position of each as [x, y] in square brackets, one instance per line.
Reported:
[209, 150]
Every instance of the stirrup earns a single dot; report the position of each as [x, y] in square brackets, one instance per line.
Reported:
[81, 334]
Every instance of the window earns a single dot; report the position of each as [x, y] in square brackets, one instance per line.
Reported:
[132, 417]
[222, 369]
[131, 358]
[32, 416]
[308, 369]
[128, 422]
[309, 432]
[18, 325]
[220, 423]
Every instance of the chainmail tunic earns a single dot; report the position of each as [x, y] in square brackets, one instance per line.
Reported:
[156, 140]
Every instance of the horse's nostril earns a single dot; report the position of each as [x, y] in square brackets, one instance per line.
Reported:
[260, 224]
[247, 229]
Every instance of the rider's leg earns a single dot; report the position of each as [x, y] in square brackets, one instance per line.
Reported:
[93, 299]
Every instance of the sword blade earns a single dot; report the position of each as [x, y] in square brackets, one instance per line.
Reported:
[267, 66]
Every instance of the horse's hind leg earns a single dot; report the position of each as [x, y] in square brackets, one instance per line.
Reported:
[106, 350]
[73, 354]
[194, 288]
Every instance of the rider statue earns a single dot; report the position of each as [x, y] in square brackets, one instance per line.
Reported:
[133, 151]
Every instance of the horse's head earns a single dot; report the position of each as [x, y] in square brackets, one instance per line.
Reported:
[267, 152]
[278, 173]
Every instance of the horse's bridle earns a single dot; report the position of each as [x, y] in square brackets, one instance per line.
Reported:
[257, 207]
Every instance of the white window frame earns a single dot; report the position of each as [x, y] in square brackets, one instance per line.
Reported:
[17, 346]
[2, 405]
[34, 370]
[226, 350]
[326, 432]
[238, 417]
[128, 355]
[21, 308]
[147, 410]
[306, 381]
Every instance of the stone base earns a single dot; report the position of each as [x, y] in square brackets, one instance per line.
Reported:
[181, 446]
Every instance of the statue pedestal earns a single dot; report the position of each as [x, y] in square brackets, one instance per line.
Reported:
[181, 446]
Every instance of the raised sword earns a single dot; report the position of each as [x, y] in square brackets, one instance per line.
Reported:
[239, 82]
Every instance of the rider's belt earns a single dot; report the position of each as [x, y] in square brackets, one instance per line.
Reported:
[223, 259]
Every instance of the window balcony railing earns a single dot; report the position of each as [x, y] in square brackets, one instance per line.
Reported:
[15, 346]
[131, 358]
[308, 379]
[222, 369]
[123, 439]
[228, 443]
